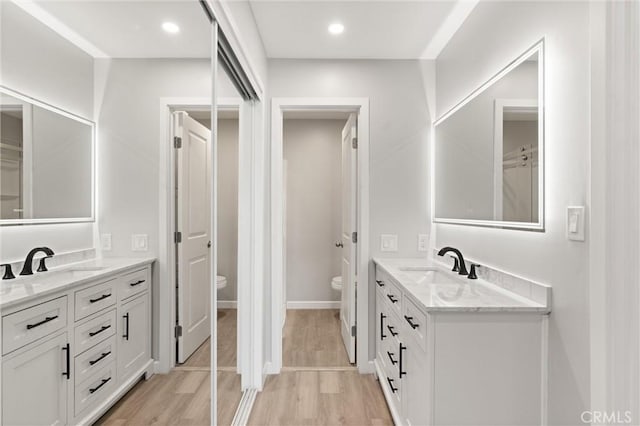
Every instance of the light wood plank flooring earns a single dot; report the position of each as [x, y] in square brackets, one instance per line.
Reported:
[311, 338]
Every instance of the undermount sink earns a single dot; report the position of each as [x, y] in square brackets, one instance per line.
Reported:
[429, 275]
[87, 268]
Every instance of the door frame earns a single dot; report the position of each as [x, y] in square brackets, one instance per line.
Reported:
[359, 106]
[167, 259]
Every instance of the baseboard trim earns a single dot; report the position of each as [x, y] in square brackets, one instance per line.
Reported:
[227, 304]
[303, 304]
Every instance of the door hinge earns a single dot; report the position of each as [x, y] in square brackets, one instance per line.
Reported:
[178, 331]
[354, 237]
[177, 142]
[353, 331]
[177, 237]
[354, 143]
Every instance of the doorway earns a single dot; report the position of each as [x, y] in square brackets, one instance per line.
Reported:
[352, 263]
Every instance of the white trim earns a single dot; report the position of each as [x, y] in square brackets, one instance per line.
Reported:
[241, 417]
[278, 106]
[313, 304]
[228, 304]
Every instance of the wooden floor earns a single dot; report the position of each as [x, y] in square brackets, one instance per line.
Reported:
[227, 343]
[312, 338]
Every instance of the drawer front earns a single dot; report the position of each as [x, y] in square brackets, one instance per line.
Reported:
[94, 359]
[29, 325]
[415, 322]
[95, 298]
[95, 331]
[393, 384]
[95, 389]
[133, 283]
[393, 297]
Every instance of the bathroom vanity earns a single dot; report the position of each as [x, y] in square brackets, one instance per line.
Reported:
[451, 350]
[74, 340]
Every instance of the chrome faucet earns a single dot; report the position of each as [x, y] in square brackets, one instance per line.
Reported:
[28, 262]
[461, 265]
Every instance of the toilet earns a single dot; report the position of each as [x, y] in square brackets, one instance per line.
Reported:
[221, 282]
[336, 283]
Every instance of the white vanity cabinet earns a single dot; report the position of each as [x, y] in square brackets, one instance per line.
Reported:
[458, 366]
[68, 355]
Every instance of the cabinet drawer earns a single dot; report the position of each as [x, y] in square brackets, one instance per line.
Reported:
[393, 384]
[95, 389]
[95, 298]
[29, 325]
[133, 283]
[94, 331]
[393, 296]
[415, 322]
[94, 359]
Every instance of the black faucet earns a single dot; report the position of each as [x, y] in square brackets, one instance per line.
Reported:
[462, 267]
[28, 262]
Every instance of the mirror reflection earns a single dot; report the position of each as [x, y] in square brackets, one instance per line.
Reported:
[488, 151]
[46, 163]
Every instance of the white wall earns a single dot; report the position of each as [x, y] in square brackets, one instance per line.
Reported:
[36, 61]
[399, 132]
[313, 158]
[494, 34]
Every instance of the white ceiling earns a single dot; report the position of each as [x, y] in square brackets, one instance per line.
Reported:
[388, 29]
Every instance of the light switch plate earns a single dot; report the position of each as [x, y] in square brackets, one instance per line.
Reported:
[105, 242]
[575, 223]
[139, 242]
[423, 242]
[388, 242]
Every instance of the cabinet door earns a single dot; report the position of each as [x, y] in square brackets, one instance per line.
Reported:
[415, 383]
[135, 336]
[34, 384]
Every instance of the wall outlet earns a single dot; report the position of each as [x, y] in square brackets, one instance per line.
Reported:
[139, 242]
[423, 242]
[105, 242]
[388, 242]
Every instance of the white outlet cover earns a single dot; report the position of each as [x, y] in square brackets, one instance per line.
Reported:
[139, 242]
[388, 242]
[105, 242]
[423, 242]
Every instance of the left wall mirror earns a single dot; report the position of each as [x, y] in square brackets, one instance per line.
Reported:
[46, 163]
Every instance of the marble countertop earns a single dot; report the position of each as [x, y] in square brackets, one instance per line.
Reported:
[23, 289]
[438, 289]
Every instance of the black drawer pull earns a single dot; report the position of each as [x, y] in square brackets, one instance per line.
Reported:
[411, 323]
[390, 328]
[393, 361]
[380, 283]
[100, 358]
[67, 350]
[104, 296]
[104, 327]
[44, 321]
[126, 326]
[136, 283]
[393, 389]
[104, 382]
[382, 335]
[401, 373]
[392, 298]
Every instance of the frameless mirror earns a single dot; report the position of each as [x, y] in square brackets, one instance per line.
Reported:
[489, 151]
[46, 163]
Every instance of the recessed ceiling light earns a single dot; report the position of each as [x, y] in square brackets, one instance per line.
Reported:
[336, 28]
[170, 27]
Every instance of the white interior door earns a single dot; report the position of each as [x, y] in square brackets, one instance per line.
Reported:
[193, 225]
[349, 238]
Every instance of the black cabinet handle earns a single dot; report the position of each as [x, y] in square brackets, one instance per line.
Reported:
[44, 321]
[393, 361]
[126, 326]
[393, 389]
[67, 373]
[136, 283]
[392, 298]
[104, 327]
[382, 335]
[104, 382]
[390, 328]
[100, 358]
[401, 373]
[380, 283]
[104, 296]
[411, 323]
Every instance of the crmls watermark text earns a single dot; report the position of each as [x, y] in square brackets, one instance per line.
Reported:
[606, 417]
